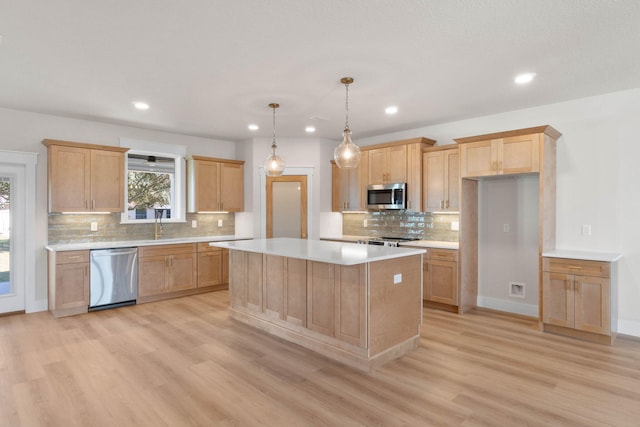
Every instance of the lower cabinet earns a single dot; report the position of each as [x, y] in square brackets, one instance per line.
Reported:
[440, 278]
[213, 268]
[577, 298]
[69, 282]
[166, 268]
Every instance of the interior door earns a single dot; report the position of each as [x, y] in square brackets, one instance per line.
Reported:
[287, 206]
[12, 286]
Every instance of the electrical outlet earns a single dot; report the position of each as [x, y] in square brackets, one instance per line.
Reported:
[194, 224]
[364, 223]
[586, 229]
[455, 225]
[219, 223]
[397, 278]
[94, 226]
[505, 228]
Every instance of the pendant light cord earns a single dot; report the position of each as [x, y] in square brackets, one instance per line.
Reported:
[273, 143]
[346, 106]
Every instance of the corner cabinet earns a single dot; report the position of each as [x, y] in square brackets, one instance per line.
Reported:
[347, 189]
[577, 297]
[214, 185]
[441, 179]
[85, 177]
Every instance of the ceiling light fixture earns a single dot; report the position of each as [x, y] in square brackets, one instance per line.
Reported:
[253, 127]
[273, 164]
[347, 154]
[524, 78]
[391, 110]
[310, 129]
[141, 105]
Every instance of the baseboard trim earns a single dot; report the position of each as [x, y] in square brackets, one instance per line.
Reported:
[530, 310]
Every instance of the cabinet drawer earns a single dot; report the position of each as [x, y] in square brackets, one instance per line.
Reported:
[204, 247]
[69, 257]
[576, 266]
[442, 254]
[165, 250]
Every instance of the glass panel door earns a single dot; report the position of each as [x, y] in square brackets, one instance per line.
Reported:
[5, 236]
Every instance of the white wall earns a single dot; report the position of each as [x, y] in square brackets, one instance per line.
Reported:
[23, 131]
[598, 177]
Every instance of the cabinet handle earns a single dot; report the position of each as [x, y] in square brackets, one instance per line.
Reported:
[86, 270]
[221, 206]
[574, 267]
[93, 204]
[441, 204]
[73, 257]
[446, 204]
[86, 204]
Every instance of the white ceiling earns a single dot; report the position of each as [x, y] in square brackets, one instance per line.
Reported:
[210, 67]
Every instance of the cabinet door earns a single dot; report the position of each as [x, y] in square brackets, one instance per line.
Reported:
[433, 180]
[519, 154]
[377, 173]
[442, 282]
[452, 180]
[206, 193]
[350, 304]
[592, 304]
[397, 164]
[151, 275]
[107, 181]
[210, 268]
[558, 299]
[478, 159]
[182, 272]
[231, 187]
[69, 179]
[72, 285]
[321, 297]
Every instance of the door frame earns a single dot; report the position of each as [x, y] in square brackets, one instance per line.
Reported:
[303, 202]
[24, 225]
[309, 172]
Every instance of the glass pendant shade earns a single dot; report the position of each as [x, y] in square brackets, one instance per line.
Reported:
[347, 154]
[273, 164]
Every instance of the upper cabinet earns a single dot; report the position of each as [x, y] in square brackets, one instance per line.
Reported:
[347, 189]
[215, 184]
[85, 177]
[388, 164]
[441, 179]
[513, 152]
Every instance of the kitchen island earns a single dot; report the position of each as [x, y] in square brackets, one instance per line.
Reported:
[358, 304]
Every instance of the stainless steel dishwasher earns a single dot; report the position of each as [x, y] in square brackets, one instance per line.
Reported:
[114, 278]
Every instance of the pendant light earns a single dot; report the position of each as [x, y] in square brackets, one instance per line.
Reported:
[347, 154]
[273, 164]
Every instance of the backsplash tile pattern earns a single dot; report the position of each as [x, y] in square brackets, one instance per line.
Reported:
[402, 224]
[65, 228]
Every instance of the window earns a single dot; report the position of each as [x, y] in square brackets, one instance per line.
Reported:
[153, 188]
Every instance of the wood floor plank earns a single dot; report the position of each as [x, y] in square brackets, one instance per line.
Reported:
[184, 362]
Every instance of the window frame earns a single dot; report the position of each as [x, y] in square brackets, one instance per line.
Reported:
[178, 208]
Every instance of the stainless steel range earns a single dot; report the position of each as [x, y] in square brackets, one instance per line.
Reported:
[386, 241]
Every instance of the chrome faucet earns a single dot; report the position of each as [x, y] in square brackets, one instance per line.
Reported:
[157, 227]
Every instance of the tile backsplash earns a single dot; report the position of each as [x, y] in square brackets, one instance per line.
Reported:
[65, 228]
[402, 224]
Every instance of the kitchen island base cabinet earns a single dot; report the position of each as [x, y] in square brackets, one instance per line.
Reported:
[362, 315]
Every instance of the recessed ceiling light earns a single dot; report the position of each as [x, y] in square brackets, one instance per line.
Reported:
[310, 129]
[141, 105]
[253, 127]
[391, 110]
[524, 78]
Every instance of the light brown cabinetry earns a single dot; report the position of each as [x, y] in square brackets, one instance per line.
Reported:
[440, 276]
[166, 269]
[68, 282]
[500, 156]
[85, 177]
[214, 184]
[212, 272]
[577, 298]
[387, 165]
[441, 179]
[347, 189]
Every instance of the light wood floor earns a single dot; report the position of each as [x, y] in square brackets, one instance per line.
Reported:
[185, 363]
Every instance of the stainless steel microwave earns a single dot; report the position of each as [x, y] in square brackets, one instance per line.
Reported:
[387, 196]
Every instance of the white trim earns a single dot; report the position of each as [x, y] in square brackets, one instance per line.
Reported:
[508, 306]
[263, 196]
[29, 161]
[629, 327]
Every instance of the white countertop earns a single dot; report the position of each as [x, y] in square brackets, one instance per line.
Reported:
[415, 243]
[585, 255]
[135, 243]
[320, 250]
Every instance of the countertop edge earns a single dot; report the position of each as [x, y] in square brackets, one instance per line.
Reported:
[583, 255]
[436, 244]
[62, 247]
